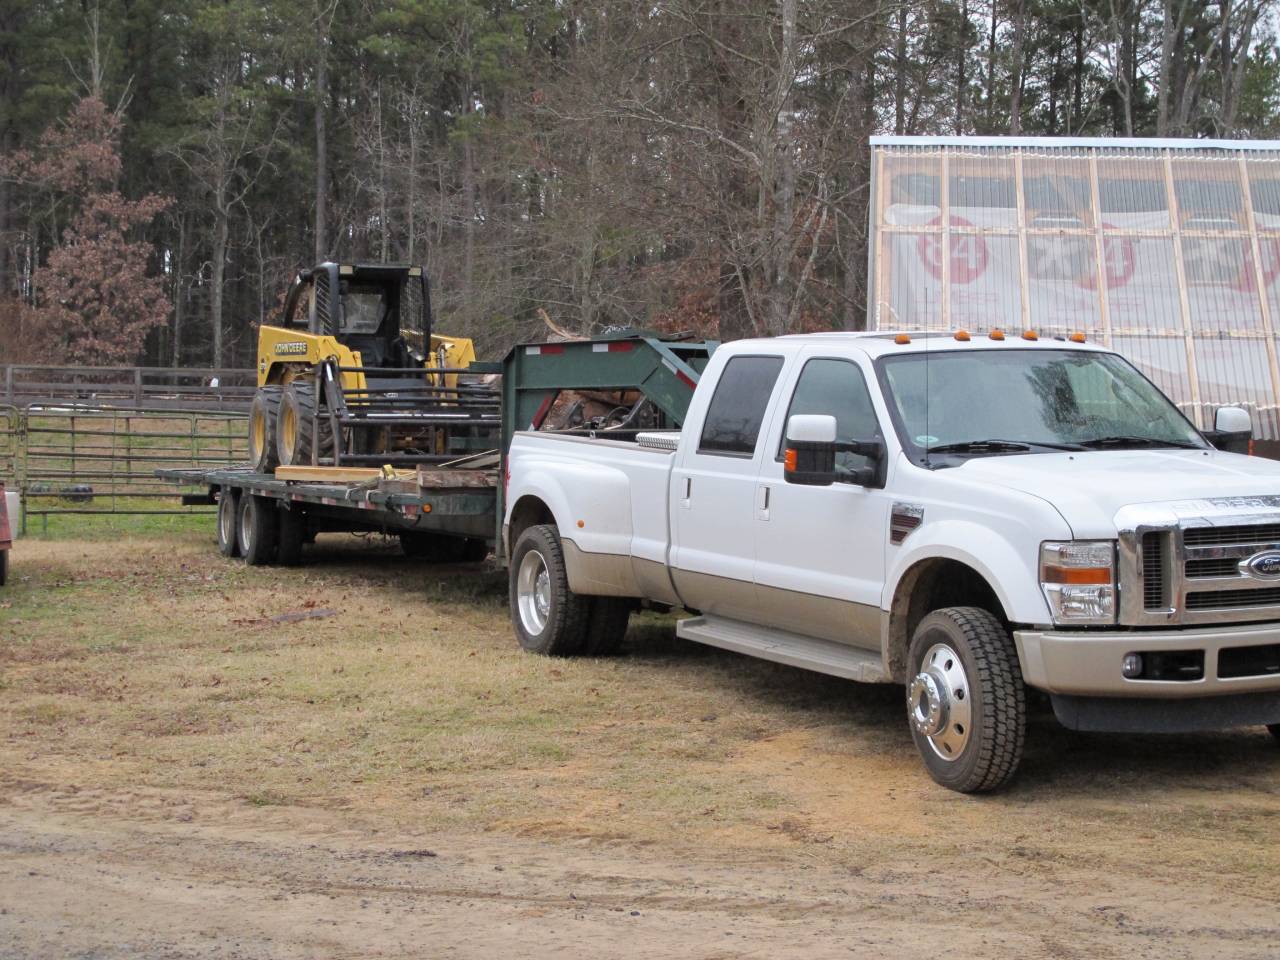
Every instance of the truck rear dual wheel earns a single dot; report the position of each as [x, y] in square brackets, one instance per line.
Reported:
[264, 412]
[228, 521]
[257, 529]
[548, 617]
[966, 703]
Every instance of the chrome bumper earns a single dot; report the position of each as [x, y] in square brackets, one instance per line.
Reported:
[1089, 664]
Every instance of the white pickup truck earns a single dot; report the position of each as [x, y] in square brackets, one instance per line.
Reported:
[964, 515]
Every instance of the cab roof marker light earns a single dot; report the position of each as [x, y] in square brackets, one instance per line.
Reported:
[996, 334]
[901, 339]
[1077, 337]
[962, 336]
[1030, 335]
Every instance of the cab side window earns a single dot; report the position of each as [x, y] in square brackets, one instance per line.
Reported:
[836, 388]
[738, 406]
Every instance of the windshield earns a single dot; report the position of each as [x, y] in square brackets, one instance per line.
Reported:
[363, 307]
[988, 401]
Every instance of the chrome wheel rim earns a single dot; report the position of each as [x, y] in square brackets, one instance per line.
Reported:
[246, 527]
[226, 520]
[533, 593]
[940, 702]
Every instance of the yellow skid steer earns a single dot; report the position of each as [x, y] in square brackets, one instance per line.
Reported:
[355, 375]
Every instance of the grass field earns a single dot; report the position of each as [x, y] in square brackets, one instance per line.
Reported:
[133, 658]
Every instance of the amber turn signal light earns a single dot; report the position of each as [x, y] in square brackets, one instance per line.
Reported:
[1052, 573]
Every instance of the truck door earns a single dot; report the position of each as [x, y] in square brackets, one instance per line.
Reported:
[820, 551]
[713, 490]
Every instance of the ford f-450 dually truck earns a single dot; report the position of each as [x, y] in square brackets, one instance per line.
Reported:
[967, 516]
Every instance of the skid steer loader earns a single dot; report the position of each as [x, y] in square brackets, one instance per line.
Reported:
[355, 375]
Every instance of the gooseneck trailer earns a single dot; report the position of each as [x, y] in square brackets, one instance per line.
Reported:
[452, 509]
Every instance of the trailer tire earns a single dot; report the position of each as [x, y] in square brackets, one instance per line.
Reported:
[292, 534]
[966, 702]
[607, 625]
[294, 424]
[258, 529]
[548, 617]
[264, 413]
[228, 522]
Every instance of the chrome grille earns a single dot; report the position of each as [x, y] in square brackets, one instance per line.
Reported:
[1177, 568]
[1154, 596]
[1229, 599]
[1260, 534]
[1216, 567]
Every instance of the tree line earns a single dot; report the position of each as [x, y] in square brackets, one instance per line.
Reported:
[702, 165]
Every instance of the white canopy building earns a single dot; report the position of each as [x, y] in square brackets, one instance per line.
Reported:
[1166, 250]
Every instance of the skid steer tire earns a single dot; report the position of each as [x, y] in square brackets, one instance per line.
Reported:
[263, 415]
[607, 625]
[966, 702]
[293, 427]
[548, 617]
[292, 534]
[258, 529]
[228, 522]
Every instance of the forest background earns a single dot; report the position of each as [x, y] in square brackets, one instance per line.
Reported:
[166, 166]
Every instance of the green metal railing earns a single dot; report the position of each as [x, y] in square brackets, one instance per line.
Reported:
[93, 460]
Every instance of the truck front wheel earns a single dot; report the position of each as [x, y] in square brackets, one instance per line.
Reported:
[966, 704]
[548, 617]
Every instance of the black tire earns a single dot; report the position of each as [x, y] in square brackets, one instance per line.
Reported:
[263, 414]
[557, 628]
[984, 754]
[228, 522]
[471, 549]
[607, 625]
[257, 529]
[291, 534]
[293, 427]
[4, 567]
[1274, 728]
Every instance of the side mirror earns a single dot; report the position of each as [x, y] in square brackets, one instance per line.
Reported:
[1232, 420]
[811, 450]
[1232, 429]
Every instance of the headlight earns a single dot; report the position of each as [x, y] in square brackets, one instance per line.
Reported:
[1079, 580]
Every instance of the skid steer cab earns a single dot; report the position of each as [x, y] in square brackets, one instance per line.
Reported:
[354, 374]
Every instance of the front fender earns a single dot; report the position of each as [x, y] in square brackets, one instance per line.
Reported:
[1009, 568]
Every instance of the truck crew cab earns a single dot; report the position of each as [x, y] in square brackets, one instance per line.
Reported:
[965, 516]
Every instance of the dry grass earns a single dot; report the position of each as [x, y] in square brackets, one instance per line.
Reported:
[151, 661]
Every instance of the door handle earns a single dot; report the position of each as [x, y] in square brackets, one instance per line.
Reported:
[762, 502]
[686, 499]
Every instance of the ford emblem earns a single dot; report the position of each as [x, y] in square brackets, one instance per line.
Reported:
[1262, 566]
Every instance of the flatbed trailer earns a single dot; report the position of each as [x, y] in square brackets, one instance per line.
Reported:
[453, 511]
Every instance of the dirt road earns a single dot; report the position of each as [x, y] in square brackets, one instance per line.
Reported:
[353, 760]
[147, 874]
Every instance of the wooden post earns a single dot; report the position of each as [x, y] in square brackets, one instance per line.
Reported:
[1180, 269]
[1100, 250]
[1260, 281]
[944, 240]
[1024, 273]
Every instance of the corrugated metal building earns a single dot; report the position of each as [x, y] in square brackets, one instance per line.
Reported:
[1166, 250]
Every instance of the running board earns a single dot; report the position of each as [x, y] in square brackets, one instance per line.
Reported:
[821, 656]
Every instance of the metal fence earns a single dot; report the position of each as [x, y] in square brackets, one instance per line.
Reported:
[152, 388]
[100, 460]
